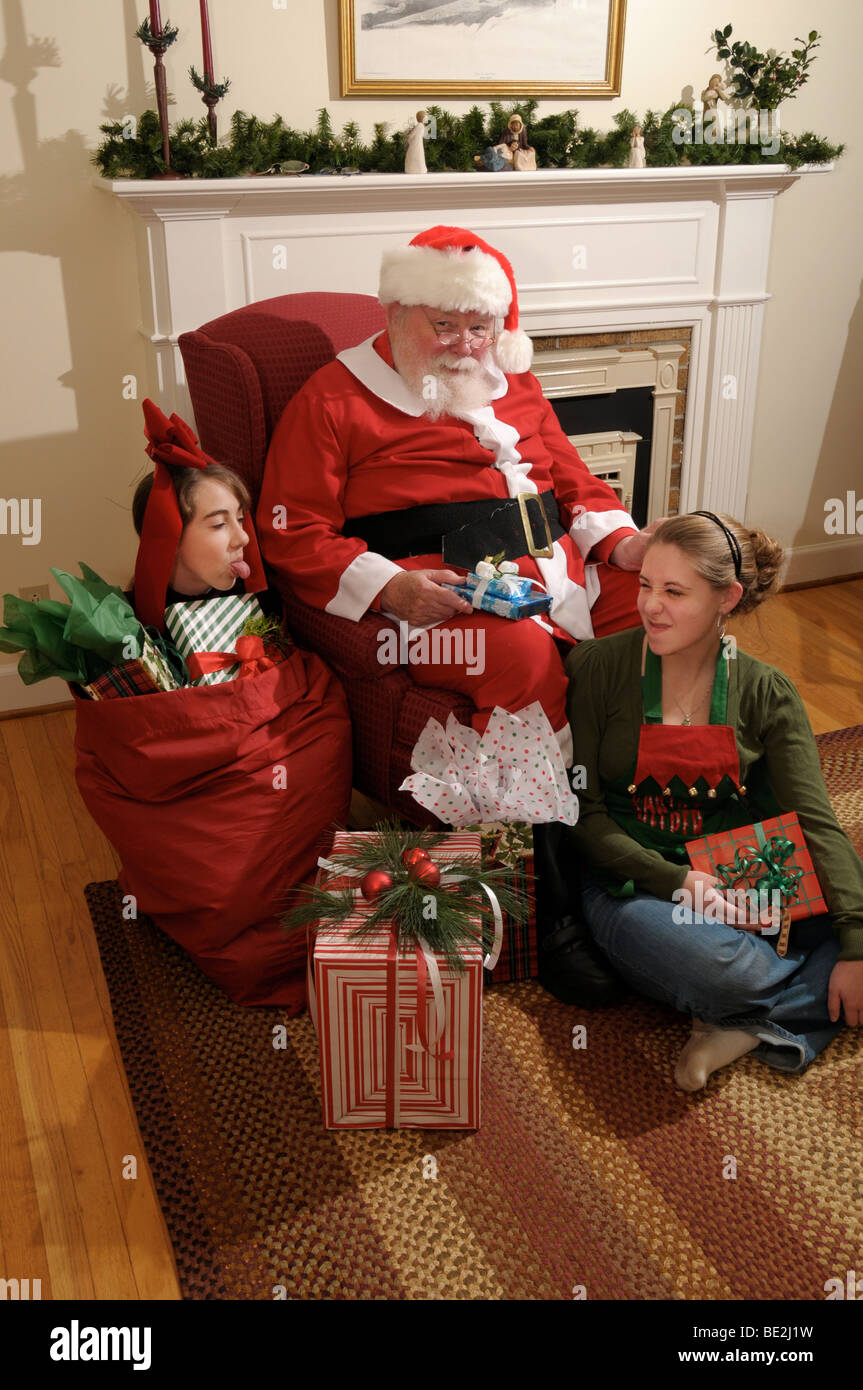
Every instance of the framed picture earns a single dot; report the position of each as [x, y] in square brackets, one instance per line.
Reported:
[475, 48]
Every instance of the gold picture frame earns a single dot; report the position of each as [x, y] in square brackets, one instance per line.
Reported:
[461, 37]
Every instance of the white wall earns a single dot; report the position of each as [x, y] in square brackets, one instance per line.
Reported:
[69, 282]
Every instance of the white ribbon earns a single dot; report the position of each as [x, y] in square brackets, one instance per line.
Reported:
[478, 594]
[506, 585]
[493, 956]
[439, 1021]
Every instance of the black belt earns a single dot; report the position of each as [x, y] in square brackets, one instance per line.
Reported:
[464, 532]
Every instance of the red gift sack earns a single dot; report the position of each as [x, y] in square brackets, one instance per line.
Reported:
[218, 800]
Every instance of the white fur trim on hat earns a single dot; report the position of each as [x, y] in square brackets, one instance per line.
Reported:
[454, 280]
[514, 352]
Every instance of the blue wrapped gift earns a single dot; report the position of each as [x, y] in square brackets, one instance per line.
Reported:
[504, 592]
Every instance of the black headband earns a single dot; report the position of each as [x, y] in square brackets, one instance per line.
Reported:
[733, 543]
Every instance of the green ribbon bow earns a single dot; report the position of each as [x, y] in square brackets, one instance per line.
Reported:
[769, 856]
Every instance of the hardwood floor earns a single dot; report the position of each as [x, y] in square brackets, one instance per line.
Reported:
[816, 637]
[70, 1216]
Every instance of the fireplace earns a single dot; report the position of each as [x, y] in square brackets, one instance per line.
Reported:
[621, 400]
[630, 281]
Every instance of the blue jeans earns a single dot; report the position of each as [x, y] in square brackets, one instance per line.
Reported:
[722, 975]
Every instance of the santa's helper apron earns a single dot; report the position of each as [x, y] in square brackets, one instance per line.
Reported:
[685, 781]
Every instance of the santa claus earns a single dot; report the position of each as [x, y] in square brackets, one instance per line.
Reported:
[410, 458]
[430, 446]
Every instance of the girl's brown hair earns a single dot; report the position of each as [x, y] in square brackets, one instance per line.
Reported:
[186, 482]
[707, 547]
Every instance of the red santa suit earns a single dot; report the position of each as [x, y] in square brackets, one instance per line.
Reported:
[355, 442]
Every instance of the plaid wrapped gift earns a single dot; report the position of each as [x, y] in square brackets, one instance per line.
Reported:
[211, 625]
[510, 846]
[770, 854]
[376, 1070]
[146, 674]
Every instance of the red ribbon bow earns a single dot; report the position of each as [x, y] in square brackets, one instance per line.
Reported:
[249, 655]
[172, 443]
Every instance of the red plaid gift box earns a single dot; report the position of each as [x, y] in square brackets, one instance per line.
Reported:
[132, 678]
[381, 1065]
[146, 674]
[746, 855]
[509, 845]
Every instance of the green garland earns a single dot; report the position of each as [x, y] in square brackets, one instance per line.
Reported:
[254, 146]
[447, 926]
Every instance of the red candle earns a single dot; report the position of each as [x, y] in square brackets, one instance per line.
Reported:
[208, 47]
[155, 19]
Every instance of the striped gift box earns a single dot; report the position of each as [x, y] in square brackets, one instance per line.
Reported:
[211, 625]
[436, 1089]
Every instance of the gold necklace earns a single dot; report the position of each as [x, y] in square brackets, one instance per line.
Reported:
[687, 714]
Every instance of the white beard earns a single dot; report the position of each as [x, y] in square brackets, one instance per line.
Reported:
[448, 384]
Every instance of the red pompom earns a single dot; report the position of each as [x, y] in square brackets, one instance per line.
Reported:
[375, 883]
[415, 856]
[426, 873]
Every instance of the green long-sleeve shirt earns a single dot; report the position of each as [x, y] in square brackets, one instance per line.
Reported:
[778, 765]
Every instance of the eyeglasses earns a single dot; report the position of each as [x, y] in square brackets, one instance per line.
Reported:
[448, 333]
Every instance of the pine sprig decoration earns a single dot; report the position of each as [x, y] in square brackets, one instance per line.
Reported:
[271, 631]
[168, 35]
[209, 89]
[447, 917]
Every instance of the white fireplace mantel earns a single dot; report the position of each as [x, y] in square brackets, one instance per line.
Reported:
[592, 250]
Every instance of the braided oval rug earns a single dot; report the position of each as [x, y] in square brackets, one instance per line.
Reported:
[591, 1175]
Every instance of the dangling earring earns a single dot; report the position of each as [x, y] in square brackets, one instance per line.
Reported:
[720, 625]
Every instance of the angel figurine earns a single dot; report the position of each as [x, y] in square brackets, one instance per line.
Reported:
[713, 92]
[415, 155]
[637, 158]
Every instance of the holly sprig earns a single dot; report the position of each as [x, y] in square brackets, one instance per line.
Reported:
[768, 78]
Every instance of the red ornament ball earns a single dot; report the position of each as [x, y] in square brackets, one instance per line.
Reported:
[375, 883]
[415, 856]
[426, 873]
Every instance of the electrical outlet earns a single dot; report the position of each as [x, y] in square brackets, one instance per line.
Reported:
[34, 592]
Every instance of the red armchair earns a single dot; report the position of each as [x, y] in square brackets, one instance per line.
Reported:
[242, 370]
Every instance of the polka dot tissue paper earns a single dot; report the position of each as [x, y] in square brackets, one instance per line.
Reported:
[512, 772]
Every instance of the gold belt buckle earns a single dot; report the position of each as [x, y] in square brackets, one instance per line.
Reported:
[548, 549]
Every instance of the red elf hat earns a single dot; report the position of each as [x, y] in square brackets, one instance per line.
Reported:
[171, 442]
[451, 268]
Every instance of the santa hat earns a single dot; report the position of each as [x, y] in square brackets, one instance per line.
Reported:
[171, 442]
[455, 270]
